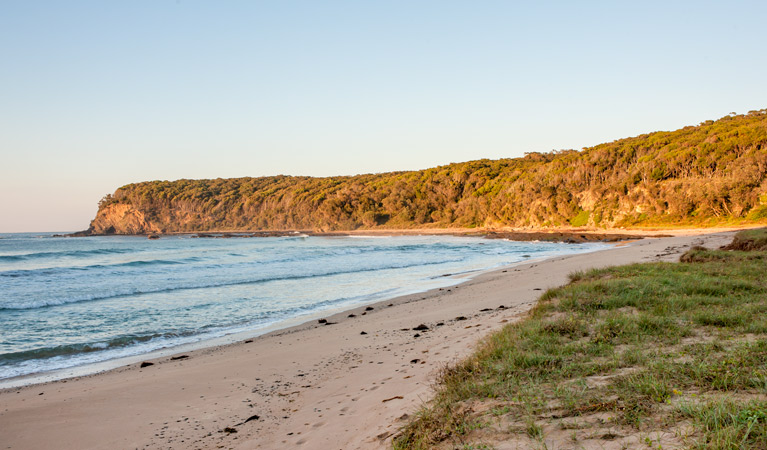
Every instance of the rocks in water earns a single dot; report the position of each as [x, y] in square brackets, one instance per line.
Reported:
[146, 364]
[153, 236]
[421, 327]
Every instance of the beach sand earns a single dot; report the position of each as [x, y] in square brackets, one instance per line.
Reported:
[347, 385]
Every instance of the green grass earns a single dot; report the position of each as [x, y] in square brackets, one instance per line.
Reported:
[674, 347]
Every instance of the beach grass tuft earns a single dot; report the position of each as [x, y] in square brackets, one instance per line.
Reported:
[669, 355]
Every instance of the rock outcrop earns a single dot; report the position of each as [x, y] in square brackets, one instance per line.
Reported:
[119, 218]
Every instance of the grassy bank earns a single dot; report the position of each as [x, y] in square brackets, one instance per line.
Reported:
[661, 355]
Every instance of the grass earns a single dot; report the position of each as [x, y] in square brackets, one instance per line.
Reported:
[660, 354]
[754, 239]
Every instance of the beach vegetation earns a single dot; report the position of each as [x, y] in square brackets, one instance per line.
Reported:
[659, 354]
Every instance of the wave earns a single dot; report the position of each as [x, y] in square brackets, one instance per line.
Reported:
[137, 291]
[60, 254]
[75, 349]
[64, 270]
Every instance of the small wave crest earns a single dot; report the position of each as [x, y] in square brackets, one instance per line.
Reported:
[63, 254]
[63, 270]
[75, 349]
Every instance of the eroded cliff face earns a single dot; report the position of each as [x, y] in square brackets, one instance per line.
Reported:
[121, 219]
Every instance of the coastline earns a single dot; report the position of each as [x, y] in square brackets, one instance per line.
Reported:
[349, 387]
[554, 234]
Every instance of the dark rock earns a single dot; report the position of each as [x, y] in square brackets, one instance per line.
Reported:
[461, 318]
[369, 308]
[176, 358]
[146, 364]
[249, 341]
[485, 309]
[416, 335]
[537, 289]
[362, 332]
[352, 315]
[439, 324]
[415, 361]
[323, 321]
[153, 236]
[421, 327]
[330, 323]
[253, 417]
[230, 430]
[501, 307]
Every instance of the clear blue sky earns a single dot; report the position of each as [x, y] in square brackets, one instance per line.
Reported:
[99, 94]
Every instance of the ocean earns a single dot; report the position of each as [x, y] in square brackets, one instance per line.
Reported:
[74, 302]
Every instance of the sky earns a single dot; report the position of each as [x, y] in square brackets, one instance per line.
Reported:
[95, 95]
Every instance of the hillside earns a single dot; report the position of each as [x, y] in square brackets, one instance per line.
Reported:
[710, 174]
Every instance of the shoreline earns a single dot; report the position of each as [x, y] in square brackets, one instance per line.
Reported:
[280, 327]
[554, 234]
[318, 365]
[275, 328]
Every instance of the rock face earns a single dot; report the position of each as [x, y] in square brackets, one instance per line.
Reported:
[121, 219]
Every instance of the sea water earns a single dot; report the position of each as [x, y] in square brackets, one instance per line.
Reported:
[69, 302]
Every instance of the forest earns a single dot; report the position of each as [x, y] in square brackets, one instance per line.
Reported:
[705, 175]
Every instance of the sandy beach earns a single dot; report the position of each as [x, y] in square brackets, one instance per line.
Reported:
[345, 384]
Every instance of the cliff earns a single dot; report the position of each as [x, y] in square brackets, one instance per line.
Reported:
[705, 175]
